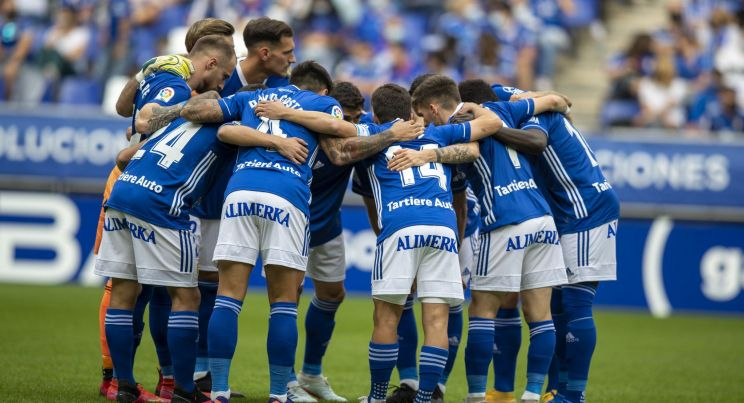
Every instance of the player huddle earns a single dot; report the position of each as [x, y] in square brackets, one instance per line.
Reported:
[232, 160]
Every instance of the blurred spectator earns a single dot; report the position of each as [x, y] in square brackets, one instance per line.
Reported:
[729, 58]
[723, 114]
[64, 45]
[518, 45]
[692, 64]
[546, 18]
[489, 66]
[627, 68]
[661, 96]
[362, 68]
[15, 47]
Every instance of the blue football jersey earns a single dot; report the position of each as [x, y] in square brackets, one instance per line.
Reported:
[420, 195]
[460, 184]
[502, 178]
[162, 88]
[168, 174]
[367, 118]
[328, 190]
[504, 93]
[265, 170]
[238, 81]
[210, 206]
[569, 175]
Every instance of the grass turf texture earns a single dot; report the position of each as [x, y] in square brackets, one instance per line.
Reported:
[49, 352]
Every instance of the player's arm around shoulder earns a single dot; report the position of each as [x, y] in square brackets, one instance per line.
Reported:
[463, 153]
[319, 122]
[293, 148]
[343, 151]
[485, 123]
[210, 108]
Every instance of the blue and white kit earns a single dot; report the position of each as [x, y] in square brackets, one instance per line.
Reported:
[267, 207]
[519, 245]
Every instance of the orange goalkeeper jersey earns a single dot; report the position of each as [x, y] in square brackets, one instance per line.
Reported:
[113, 176]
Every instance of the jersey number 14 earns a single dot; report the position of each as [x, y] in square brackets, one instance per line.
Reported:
[433, 170]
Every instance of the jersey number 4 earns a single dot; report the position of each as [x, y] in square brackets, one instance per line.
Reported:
[170, 147]
[433, 170]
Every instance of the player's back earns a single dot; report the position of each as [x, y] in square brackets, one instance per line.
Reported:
[502, 178]
[420, 195]
[266, 170]
[575, 187]
[167, 175]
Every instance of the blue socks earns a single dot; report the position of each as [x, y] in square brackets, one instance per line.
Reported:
[382, 359]
[433, 360]
[408, 341]
[138, 316]
[183, 332]
[539, 355]
[581, 337]
[454, 335]
[558, 374]
[222, 339]
[281, 345]
[478, 353]
[507, 340]
[319, 324]
[160, 310]
[208, 291]
[118, 324]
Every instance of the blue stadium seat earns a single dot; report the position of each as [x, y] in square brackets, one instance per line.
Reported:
[619, 113]
[80, 91]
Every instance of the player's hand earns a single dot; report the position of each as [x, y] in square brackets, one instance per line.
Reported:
[271, 110]
[174, 64]
[404, 130]
[406, 158]
[293, 148]
[462, 117]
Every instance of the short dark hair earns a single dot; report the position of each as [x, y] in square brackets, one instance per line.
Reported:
[347, 94]
[213, 44]
[417, 81]
[311, 76]
[477, 91]
[437, 88]
[207, 26]
[265, 29]
[252, 87]
[390, 102]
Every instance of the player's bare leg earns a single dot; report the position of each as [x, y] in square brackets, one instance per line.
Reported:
[434, 352]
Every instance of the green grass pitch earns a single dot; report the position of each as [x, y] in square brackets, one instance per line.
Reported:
[49, 352]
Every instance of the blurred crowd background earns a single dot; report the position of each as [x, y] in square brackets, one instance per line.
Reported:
[689, 73]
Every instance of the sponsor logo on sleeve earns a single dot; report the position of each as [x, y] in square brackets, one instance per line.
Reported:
[166, 94]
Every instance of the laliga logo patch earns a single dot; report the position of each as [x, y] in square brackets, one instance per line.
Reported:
[336, 112]
[166, 94]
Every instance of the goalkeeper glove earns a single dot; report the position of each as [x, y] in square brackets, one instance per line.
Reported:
[174, 64]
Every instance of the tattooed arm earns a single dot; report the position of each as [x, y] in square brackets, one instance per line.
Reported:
[153, 117]
[343, 151]
[453, 154]
[203, 109]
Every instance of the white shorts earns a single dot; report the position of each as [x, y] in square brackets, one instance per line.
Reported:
[259, 222]
[406, 256]
[327, 262]
[590, 254]
[206, 233]
[137, 250]
[468, 256]
[520, 257]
